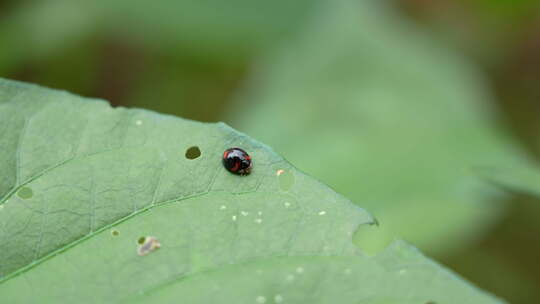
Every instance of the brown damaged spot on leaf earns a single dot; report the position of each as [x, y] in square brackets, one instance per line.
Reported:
[149, 244]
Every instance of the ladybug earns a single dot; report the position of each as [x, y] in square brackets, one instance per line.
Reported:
[237, 161]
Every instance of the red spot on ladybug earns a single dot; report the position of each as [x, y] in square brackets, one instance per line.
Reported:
[237, 161]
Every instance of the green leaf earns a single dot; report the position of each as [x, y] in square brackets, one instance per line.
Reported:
[33, 31]
[102, 205]
[382, 115]
[210, 29]
[213, 27]
[71, 167]
[519, 178]
[383, 279]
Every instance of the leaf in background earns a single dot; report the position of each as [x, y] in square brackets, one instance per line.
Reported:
[222, 31]
[127, 50]
[33, 31]
[102, 205]
[209, 28]
[363, 101]
[520, 179]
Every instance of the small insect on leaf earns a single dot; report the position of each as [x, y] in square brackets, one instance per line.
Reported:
[147, 245]
[237, 161]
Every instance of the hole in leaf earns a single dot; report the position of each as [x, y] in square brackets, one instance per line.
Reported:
[25, 193]
[370, 239]
[193, 152]
[115, 233]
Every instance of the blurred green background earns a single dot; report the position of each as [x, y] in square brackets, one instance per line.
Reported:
[392, 103]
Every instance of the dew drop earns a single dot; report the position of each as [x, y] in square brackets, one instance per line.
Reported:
[287, 204]
[322, 213]
[278, 298]
[290, 278]
[138, 122]
[234, 218]
[260, 300]
[259, 213]
[223, 207]
[300, 270]
[244, 213]
[258, 221]
[25, 193]
[286, 179]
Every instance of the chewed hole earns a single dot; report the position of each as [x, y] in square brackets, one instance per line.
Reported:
[25, 193]
[141, 240]
[193, 152]
[115, 233]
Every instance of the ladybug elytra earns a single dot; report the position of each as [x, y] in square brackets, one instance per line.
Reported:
[237, 161]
